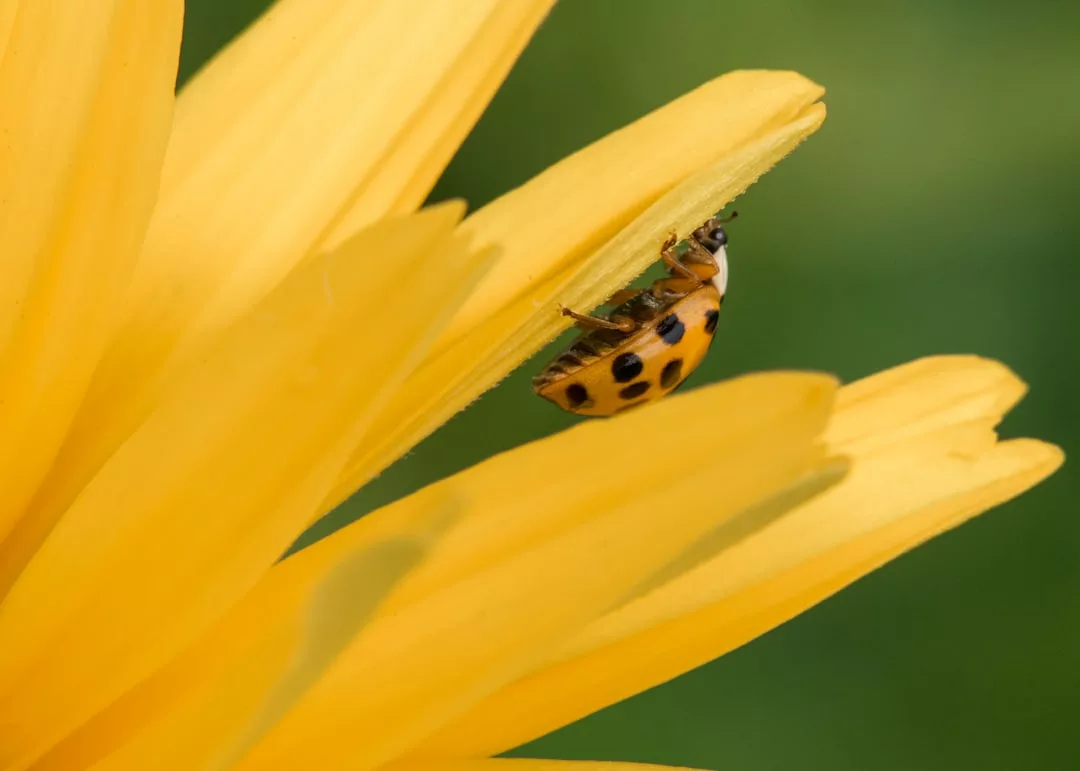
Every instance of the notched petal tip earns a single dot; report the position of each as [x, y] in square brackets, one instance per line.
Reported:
[974, 370]
[1043, 458]
[921, 397]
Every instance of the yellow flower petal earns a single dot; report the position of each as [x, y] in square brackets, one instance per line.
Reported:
[87, 101]
[445, 611]
[453, 376]
[921, 432]
[289, 123]
[496, 594]
[324, 116]
[254, 436]
[610, 451]
[921, 396]
[215, 714]
[554, 221]
[406, 175]
[171, 712]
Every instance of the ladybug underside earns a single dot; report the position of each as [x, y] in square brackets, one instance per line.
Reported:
[645, 346]
[598, 343]
[606, 371]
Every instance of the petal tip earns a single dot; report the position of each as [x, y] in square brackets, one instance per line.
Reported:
[996, 375]
[453, 209]
[1045, 456]
[791, 79]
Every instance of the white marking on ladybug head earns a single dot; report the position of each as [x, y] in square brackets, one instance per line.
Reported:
[720, 279]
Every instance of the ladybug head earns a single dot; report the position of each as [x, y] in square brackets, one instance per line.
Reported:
[712, 235]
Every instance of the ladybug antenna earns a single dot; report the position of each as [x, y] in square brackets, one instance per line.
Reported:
[729, 218]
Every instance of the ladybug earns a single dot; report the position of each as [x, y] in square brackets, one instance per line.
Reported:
[651, 340]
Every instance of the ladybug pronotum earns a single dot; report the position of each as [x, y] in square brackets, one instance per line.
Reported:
[651, 340]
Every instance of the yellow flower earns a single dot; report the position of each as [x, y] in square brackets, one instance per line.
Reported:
[219, 322]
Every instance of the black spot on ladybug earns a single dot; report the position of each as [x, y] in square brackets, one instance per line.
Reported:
[670, 329]
[634, 390]
[626, 367]
[576, 395]
[710, 321]
[671, 373]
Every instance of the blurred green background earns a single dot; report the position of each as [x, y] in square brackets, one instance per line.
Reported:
[937, 211]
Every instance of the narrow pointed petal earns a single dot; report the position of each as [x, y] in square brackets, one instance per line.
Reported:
[87, 92]
[323, 117]
[922, 432]
[254, 435]
[458, 372]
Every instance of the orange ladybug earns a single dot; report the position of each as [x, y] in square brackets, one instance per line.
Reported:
[652, 340]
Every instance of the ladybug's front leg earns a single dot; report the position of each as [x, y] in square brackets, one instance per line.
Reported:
[678, 269]
[700, 260]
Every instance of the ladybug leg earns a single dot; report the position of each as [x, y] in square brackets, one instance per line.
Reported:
[700, 260]
[624, 296]
[588, 323]
[677, 268]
